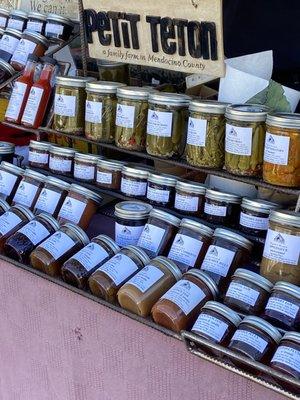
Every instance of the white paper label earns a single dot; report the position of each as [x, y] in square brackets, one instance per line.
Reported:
[212, 209]
[159, 123]
[3, 21]
[132, 187]
[146, 278]
[8, 221]
[125, 116]
[185, 249]
[282, 307]
[288, 356]
[7, 182]
[251, 339]
[65, 105]
[186, 295]
[93, 112]
[186, 203]
[238, 140]
[277, 149]
[24, 48]
[84, 171]
[282, 247]
[34, 26]
[196, 135]
[104, 177]
[91, 255]
[119, 268]
[25, 194]
[16, 100]
[58, 164]
[127, 235]
[58, 244]
[218, 260]
[72, 210]
[15, 24]
[242, 293]
[8, 43]
[32, 105]
[151, 237]
[210, 326]
[47, 201]
[54, 28]
[251, 221]
[40, 158]
[35, 232]
[158, 195]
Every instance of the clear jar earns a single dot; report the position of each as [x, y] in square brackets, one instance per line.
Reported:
[4, 15]
[287, 356]
[134, 181]
[107, 280]
[58, 28]
[4, 206]
[190, 244]
[113, 71]
[167, 124]
[178, 308]
[6, 72]
[85, 167]
[189, 198]
[248, 292]
[77, 269]
[144, 289]
[281, 255]
[61, 160]
[10, 177]
[17, 20]
[245, 138]
[9, 43]
[36, 22]
[7, 152]
[29, 188]
[38, 154]
[281, 157]
[109, 174]
[221, 208]
[161, 189]
[50, 255]
[206, 134]
[131, 218]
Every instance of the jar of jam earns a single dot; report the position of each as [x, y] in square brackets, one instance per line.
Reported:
[287, 356]
[6, 72]
[189, 198]
[248, 292]
[109, 174]
[61, 160]
[159, 233]
[161, 189]
[145, 288]
[36, 22]
[8, 44]
[283, 307]
[10, 177]
[58, 28]
[7, 152]
[178, 308]
[29, 188]
[281, 255]
[81, 265]
[4, 206]
[131, 218]
[256, 339]
[38, 154]
[79, 206]
[134, 181]
[190, 244]
[52, 196]
[221, 208]
[85, 167]
[107, 280]
[17, 20]
[227, 252]
[20, 245]
[4, 15]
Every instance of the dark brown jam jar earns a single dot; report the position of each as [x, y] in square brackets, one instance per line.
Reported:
[189, 198]
[58, 28]
[21, 244]
[161, 190]
[6, 71]
[17, 20]
[159, 233]
[29, 188]
[287, 356]
[109, 174]
[8, 45]
[38, 154]
[4, 206]
[36, 22]
[61, 160]
[134, 181]
[85, 167]
[7, 151]
[222, 208]
[10, 177]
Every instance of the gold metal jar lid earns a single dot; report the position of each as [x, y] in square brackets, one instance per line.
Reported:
[263, 325]
[24, 211]
[254, 278]
[74, 81]
[204, 277]
[33, 174]
[7, 148]
[233, 237]
[292, 336]
[191, 187]
[7, 67]
[208, 106]
[165, 216]
[19, 14]
[196, 226]
[62, 151]
[213, 194]
[3, 204]
[88, 158]
[140, 253]
[109, 242]
[247, 112]
[169, 99]
[51, 221]
[284, 120]
[39, 145]
[134, 92]
[285, 217]
[37, 15]
[132, 210]
[113, 165]
[225, 311]
[59, 18]
[288, 288]
[80, 234]
[135, 172]
[12, 168]
[57, 182]
[258, 205]
[162, 179]
[170, 265]
[104, 87]
[36, 36]
[86, 192]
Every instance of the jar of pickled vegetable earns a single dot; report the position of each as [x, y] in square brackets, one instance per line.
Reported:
[281, 157]
[245, 139]
[287, 356]
[167, 124]
[161, 189]
[206, 134]
[221, 208]
[109, 174]
[113, 71]
[189, 198]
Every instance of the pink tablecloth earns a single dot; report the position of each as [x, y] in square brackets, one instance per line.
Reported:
[58, 345]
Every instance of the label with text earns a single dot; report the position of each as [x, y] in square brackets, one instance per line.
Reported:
[218, 260]
[146, 278]
[119, 268]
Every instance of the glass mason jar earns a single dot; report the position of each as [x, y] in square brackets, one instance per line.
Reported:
[29, 188]
[281, 157]
[280, 261]
[8, 44]
[134, 181]
[113, 71]
[287, 356]
[36, 22]
[58, 28]
[109, 174]
[100, 111]
[161, 189]
[4, 15]
[10, 177]
[206, 134]
[189, 198]
[167, 124]
[221, 208]
[38, 154]
[7, 152]
[85, 166]
[245, 139]
[6, 72]
[17, 20]
[61, 160]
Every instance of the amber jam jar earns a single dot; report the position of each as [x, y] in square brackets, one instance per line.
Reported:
[189, 198]
[79, 206]
[159, 233]
[22, 243]
[283, 307]
[227, 252]
[29, 188]
[107, 280]
[248, 292]
[61, 160]
[109, 174]
[4, 206]
[190, 244]
[134, 181]
[161, 189]
[77, 269]
[178, 308]
[52, 196]
[50, 255]
[287, 356]
[38, 154]
[85, 167]
[17, 20]
[143, 290]
[10, 177]
[131, 218]
[221, 208]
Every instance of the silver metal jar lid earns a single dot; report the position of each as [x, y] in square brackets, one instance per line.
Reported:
[196, 226]
[292, 336]
[89, 158]
[172, 99]
[247, 112]
[140, 253]
[74, 81]
[288, 288]
[254, 278]
[59, 18]
[81, 235]
[113, 165]
[7, 148]
[165, 216]
[225, 311]
[57, 182]
[263, 325]
[12, 168]
[36, 175]
[290, 218]
[104, 87]
[134, 92]
[36, 36]
[13, 32]
[170, 265]
[109, 242]
[39, 145]
[18, 13]
[3, 204]
[233, 237]
[204, 277]
[37, 15]
[86, 192]
[162, 179]
[284, 120]
[258, 205]
[191, 187]
[62, 151]
[23, 210]
[48, 218]
[5, 12]
[7, 67]
[135, 172]
[208, 106]
[213, 194]
[132, 210]
[110, 64]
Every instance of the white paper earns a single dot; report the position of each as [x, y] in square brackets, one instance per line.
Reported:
[288, 356]
[72, 210]
[119, 268]
[58, 244]
[47, 201]
[146, 278]
[159, 123]
[251, 339]
[35, 232]
[151, 237]
[93, 112]
[91, 256]
[185, 249]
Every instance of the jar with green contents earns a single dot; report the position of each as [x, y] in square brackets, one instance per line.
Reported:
[100, 110]
[206, 134]
[167, 124]
[113, 71]
[245, 139]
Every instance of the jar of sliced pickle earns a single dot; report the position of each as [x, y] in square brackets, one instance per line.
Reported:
[161, 189]
[189, 198]
[113, 71]
[109, 174]
[85, 167]
[221, 208]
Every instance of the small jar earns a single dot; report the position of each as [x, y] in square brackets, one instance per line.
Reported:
[113, 71]
[131, 218]
[167, 124]
[36, 22]
[221, 208]
[50, 255]
[227, 252]
[107, 280]
[255, 339]
[134, 181]
[189, 198]
[52, 196]
[4, 206]
[10, 177]
[9, 43]
[85, 167]
[178, 308]
[109, 174]
[283, 307]
[79, 206]
[248, 292]
[77, 269]
[4, 15]
[245, 139]
[287, 356]
[20, 245]
[161, 189]
[38, 154]
[281, 255]
[17, 20]
[29, 188]
[206, 134]
[190, 244]
[144, 289]
[159, 233]
[61, 160]
[58, 28]
[6, 72]
[100, 111]
[7, 152]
